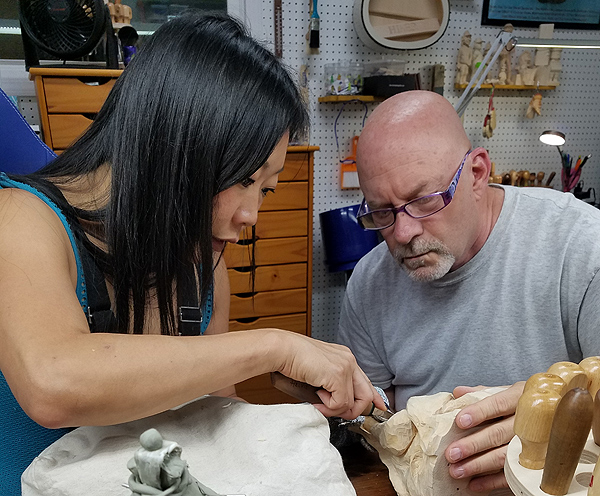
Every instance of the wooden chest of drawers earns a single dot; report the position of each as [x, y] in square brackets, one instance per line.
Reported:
[281, 248]
[68, 100]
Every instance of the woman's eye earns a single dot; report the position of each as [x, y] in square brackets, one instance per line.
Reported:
[246, 183]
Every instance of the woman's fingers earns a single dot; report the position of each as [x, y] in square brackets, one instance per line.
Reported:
[346, 391]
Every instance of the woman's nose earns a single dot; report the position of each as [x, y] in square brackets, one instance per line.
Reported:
[248, 214]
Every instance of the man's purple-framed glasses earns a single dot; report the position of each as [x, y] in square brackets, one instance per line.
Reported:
[424, 206]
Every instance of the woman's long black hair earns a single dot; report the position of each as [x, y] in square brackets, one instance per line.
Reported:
[199, 109]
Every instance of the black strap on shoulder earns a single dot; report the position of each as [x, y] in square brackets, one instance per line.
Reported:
[189, 311]
[100, 315]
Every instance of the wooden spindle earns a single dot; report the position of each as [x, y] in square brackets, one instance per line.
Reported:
[596, 419]
[544, 380]
[568, 435]
[591, 366]
[573, 375]
[533, 421]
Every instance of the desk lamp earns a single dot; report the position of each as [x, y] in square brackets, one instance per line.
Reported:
[554, 138]
[557, 139]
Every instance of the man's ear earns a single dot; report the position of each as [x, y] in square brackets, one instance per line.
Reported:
[481, 167]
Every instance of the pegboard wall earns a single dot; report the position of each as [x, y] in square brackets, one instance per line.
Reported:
[29, 109]
[573, 107]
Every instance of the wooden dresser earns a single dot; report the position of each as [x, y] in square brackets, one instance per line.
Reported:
[68, 100]
[281, 248]
[280, 245]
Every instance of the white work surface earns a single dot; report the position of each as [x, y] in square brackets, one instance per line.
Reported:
[230, 446]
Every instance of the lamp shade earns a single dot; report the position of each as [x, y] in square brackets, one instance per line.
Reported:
[555, 138]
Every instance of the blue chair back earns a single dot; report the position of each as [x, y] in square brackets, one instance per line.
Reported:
[21, 439]
[21, 150]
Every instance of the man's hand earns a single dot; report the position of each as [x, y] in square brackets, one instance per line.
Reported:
[481, 455]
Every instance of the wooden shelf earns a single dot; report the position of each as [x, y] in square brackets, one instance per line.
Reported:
[508, 87]
[302, 148]
[66, 71]
[349, 98]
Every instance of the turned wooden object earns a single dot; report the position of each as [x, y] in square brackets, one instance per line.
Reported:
[573, 375]
[544, 380]
[596, 420]
[568, 435]
[591, 366]
[525, 178]
[540, 178]
[533, 421]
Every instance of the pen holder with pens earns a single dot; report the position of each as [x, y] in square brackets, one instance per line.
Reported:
[571, 173]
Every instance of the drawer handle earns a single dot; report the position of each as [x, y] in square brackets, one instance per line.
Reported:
[245, 295]
[247, 320]
[244, 270]
[94, 81]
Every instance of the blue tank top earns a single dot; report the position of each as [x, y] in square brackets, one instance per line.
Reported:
[21, 439]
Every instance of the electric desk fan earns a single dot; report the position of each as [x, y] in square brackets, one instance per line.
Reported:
[66, 29]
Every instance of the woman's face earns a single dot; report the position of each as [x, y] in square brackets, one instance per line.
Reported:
[237, 207]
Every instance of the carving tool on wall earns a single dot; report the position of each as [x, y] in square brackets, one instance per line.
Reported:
[278, 27]
[489, 122]
[315, 21]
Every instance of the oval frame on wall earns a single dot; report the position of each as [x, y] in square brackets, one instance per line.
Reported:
[370, 32]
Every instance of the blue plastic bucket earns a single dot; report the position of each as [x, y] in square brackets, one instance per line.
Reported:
[345, 241]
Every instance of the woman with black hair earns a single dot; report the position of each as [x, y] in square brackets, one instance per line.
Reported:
[113, 251]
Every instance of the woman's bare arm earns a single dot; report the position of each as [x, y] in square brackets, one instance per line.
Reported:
[62, 375]
[219, 322]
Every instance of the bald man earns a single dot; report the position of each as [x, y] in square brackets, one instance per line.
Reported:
[475, 283]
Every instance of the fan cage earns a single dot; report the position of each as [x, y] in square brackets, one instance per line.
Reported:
[64, 28]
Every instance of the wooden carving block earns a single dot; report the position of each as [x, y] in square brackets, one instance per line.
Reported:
[591, 367]
[407, 9]
[412, 444]
[573, 375]
[569, 433]
[401, 29]
[533, 420]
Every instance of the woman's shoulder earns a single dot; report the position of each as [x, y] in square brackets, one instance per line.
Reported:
[27, 219]
[18, 205]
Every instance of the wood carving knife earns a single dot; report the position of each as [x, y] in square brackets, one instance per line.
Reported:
[307, 392]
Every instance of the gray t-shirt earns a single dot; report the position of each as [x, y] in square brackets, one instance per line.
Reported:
[529, 298]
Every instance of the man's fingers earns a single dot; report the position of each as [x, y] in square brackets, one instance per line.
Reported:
[492, 436]
[498, 405]
[487, 463]
[488, 483]
[462, 390]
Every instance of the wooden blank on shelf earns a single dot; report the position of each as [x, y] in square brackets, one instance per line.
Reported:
[391, 28]
[407, 9]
